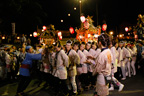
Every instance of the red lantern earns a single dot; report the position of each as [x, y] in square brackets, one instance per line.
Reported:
[126, 29]
[104, 27]
[44, 28]
[35, 34]
[71, 29]
[60, 37]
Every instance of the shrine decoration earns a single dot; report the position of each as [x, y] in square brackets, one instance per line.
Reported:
[88, 32]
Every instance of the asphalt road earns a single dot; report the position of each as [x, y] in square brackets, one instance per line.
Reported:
[134, 86]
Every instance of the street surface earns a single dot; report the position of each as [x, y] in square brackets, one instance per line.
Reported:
[134, 86]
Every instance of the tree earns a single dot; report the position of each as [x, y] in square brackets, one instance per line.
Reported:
[27, 14]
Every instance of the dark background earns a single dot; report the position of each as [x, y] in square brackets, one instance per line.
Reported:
[27, 14]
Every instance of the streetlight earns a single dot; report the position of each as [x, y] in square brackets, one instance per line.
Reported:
[68, 14]
[120, 35]
[74, 8]
[61, 20]
[3, 37]
[80, 7]
[18, 38]
[30, 35]
[111, 33]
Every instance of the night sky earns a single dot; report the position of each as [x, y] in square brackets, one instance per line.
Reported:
[116, 13]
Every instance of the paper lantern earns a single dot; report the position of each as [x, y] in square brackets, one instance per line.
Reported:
[59, 34]
[71, 29]
[44, 28]
[126, 29]
[35, 34]
[104, 27]
[82, 18]
[60, 37]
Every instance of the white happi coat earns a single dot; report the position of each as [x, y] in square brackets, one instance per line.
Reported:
[131, 52]
[126, 53]
[93, 53]
[103, 68]
[103, 63]
[61, 62]
[83, 58]
[134, 49]
[47, 64]
[114, 60]
[98, 51]
[85, 66]
[74, 60]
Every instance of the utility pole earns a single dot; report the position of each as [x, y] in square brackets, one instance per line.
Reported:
[97, 11]
[80, 11]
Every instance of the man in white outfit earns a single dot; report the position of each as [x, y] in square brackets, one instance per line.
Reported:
[134, 49]
[72, 71]
[60, 69]
[114, 68]
[126, 61]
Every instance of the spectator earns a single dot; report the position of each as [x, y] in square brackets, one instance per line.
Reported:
[23, 39]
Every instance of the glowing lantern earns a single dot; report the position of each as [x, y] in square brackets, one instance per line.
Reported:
[60, 37]
[35, 34]
[96, 36]
[89, 35]
[126, 29]
[80, 37]
[3, 37]
[59, 34]
[104, 27]
[44, 28]
[82, 18]
[71, 29]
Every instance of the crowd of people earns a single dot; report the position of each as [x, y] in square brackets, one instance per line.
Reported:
[74, 67]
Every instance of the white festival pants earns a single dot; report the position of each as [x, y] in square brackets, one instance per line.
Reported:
[133, 65]
[72, 81]
[124, 64]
